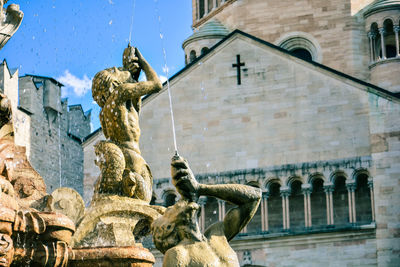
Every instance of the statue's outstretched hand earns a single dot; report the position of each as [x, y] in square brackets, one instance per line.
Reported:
[183, 179]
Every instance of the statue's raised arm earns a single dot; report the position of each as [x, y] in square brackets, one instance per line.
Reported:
[177, 232]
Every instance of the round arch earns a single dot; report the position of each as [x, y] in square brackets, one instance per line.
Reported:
[301, 40]
[294, 178]
[270, 181]
[314, 176]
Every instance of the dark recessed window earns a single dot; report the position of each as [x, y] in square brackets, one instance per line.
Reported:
[302, 53]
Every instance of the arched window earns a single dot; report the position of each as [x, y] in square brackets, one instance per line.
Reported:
[390, 40]
[169, 199]
[302, 53]
[363, 200]
[375, 41]
[340, 202]
[201, 8]
[204, 50]
[275, 217]
[254, 226]
[318, 203]
[302, 45]
[210, 212]
[296, 206]
[192, 56]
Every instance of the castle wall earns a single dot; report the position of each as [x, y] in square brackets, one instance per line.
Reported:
[53, 151]
[21, 119]
[78, 122]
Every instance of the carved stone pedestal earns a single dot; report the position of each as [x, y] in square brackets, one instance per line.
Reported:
[132, 256]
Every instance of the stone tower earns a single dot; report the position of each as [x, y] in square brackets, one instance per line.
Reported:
[51, 131]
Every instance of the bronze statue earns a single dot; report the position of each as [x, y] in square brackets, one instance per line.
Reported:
[119, 212]
[118, 93]
[177, 235]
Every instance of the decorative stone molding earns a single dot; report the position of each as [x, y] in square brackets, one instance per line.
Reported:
[302, 40]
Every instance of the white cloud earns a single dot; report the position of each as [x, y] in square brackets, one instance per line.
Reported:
[78, 86]
[163, 79]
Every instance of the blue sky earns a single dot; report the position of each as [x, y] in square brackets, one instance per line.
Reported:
[72, 40]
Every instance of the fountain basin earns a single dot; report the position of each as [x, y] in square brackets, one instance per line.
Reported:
[130, 256]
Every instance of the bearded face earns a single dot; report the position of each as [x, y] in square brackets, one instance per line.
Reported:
[6, 250]
[179, 217]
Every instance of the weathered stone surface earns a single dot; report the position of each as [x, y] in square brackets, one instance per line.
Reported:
[132, 256]
[115, 221]
[68, 202]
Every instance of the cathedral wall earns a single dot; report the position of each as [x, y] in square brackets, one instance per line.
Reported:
[282, 113]
[382, 75]
[323, 249]
[345, 248]
[341, 36]
[385, 140]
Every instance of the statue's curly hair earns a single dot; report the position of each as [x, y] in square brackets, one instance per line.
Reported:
[102, 85]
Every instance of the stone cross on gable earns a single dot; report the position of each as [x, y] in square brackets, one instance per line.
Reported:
[237, 66]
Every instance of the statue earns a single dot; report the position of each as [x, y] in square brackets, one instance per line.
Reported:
[9, 21]
[28, 185]
[30, 235]
[119, 212]
[177, 235]
[118, 93]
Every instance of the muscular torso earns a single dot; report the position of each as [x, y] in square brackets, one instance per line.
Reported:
[215, 252]
[121, 121]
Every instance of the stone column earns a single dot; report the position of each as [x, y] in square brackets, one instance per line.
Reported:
[351, 187]
[215, 4]
[285, 193]
[396, 30]
[221, 210]
[383, 48]
[329, 203]
[198, 9]
[264, 212]
[205, 7]
[371, 191]
[371, 37]
[202, 202]
[307, 189]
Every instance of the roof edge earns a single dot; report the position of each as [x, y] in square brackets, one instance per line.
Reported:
[370, 87]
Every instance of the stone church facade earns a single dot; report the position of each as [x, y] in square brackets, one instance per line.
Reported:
[298, 98]
[51, 130]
